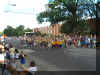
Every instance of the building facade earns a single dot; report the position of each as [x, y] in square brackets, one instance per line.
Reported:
[52, 29]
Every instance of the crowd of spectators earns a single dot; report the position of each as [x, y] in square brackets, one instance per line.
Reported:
[14, 62]
[65, 41]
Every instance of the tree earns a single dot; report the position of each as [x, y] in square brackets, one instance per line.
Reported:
[9, 31]
[20, 30]
[98, 20]
[1, 33]
[70, 12]
[28, 30]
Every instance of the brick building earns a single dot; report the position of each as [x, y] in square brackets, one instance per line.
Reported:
[56, 29]
[53, 29]
[35, 30]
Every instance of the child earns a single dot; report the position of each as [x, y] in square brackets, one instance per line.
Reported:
[22, 59]
[17, 54]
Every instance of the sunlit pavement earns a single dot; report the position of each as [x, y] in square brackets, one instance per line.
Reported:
[77, 59]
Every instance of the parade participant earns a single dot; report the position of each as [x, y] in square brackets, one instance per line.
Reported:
[69, 41]
[86, 39]
[22, 58]
[53, 44]
[62, 44]
[94, 41]
[89, 42]
[49, 44]
[79, 43]
[59, 43]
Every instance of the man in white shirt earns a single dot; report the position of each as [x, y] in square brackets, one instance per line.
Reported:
[3, 60]
[32, 69]
[2, 54]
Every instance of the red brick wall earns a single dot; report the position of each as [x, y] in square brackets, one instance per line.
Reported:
[55, 29]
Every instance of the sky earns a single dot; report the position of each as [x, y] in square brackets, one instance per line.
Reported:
[21, 12]
[24, 13]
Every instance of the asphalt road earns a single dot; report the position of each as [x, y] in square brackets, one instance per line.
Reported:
[78, 59]
[50, 61]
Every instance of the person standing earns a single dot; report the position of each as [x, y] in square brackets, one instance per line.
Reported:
[17, 54]
[94, 41]
[32, 68]
[3, 60]
[22, 58]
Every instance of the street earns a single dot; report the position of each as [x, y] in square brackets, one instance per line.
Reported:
[60, 59]
[78, 59]
[49, 36]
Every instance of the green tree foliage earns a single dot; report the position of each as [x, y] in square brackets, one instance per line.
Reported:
[70, 12]
[28, 30]
[9, 31]
[1, 33]
[18, 31]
